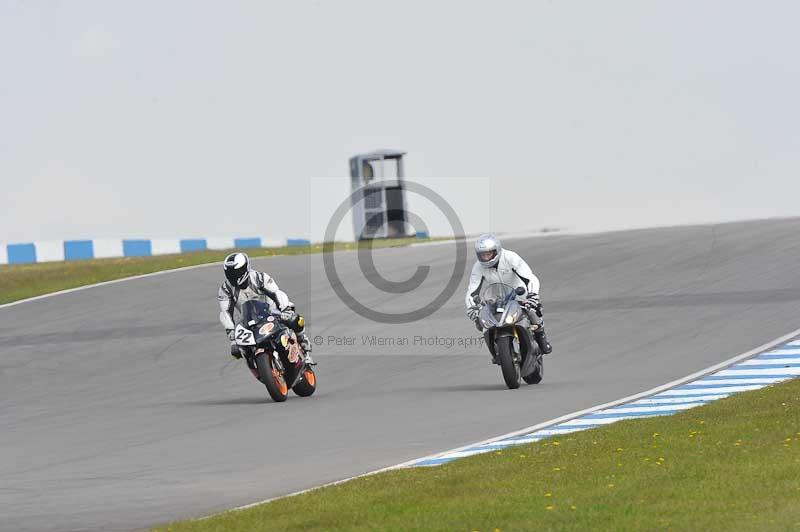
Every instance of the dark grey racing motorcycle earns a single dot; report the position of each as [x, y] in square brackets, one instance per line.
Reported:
[506, 329]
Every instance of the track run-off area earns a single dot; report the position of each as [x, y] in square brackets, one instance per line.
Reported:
[121, 409]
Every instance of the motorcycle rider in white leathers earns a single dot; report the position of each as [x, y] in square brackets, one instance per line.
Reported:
[243, 284]
[498, 265]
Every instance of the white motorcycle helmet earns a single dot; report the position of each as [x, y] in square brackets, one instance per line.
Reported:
[488, 250]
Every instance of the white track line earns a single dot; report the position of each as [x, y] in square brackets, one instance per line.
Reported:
[677, 400]
[754, 380]
[711, 390]
[770, 361]
[757, 372]
[635, 409]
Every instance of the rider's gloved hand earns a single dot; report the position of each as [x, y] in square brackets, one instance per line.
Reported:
[288, 314]
[472, 313]
[235, 352]
[532, 300]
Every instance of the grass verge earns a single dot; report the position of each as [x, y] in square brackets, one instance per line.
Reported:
[730, 465]
[21, 281]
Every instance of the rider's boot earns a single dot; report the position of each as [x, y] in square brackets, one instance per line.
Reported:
[305, 343]
[541, 339]
[537, 328]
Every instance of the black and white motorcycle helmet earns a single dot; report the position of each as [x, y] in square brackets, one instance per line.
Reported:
[237, 268]
[488, 250]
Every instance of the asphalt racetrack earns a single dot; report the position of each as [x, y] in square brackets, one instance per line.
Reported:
[121, 409]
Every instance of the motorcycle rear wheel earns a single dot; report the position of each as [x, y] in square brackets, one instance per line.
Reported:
[505, 352]
[272, 378]
[307, 385]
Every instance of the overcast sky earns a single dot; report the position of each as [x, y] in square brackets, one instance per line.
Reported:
[153, 118]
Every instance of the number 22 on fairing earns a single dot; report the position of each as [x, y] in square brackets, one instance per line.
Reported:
[244, 337]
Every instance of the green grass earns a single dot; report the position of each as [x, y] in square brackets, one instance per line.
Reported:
[20, 281]
[730, 465]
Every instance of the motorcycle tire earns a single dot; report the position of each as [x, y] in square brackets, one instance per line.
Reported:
[505, 352]
[272, 379]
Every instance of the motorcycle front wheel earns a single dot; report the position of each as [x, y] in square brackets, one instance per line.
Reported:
[308, 384]
[272, 378]
[505, 352]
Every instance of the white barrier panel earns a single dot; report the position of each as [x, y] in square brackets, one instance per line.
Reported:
[107, 248]
[49, 251]
[220, 243]
[267, 242]
[165, 246]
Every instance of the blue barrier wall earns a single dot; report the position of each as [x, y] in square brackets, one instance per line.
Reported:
[136, 248]
[30, 252]
[247, 243]
[193, 245]
[21, 253]
[78, 250]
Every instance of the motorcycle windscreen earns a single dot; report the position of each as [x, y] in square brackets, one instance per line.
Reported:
[496, 293]
[254, 311]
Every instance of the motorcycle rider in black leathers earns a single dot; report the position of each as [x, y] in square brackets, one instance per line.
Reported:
[243, 284]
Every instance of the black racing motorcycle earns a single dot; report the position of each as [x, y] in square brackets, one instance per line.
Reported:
[506, 329]
[272, 351]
